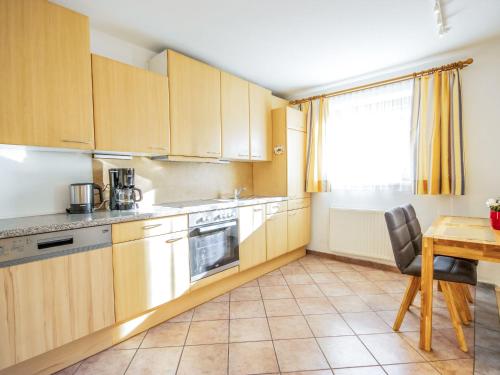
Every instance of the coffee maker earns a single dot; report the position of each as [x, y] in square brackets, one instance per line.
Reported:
[123, 194]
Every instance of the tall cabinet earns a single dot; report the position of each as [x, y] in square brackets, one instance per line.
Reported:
[45, 75]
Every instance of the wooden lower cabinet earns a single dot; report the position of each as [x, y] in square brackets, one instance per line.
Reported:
[276, 234]
[299, 228]
[252, 227]
[48, 303]
[150, 272]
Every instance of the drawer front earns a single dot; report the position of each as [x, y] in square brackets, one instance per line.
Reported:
[275, 207]
[135, 230]
[295, 204]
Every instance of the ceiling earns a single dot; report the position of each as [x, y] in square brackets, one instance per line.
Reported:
[291, 46]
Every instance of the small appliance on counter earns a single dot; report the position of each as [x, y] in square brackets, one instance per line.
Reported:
[123, 193]
[81, 196]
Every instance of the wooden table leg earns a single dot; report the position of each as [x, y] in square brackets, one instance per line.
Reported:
[426, 292]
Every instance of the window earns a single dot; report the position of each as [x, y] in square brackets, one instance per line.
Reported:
[369, 138]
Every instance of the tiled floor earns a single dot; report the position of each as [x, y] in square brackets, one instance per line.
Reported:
[313, 316]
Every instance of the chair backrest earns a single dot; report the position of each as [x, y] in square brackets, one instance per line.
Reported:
[413, 227]
[401, 241]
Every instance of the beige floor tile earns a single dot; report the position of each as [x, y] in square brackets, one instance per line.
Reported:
[208, 332]
[378, 275]
[339, 267]
[282, 307]
[70, 370]
[293, 270]
[289, 327]
[155, 361]
[449, 333]
[299, 279]
[371, 370]
[328, 325]
[440, 318]
[316, 268]
[381, 302]
[324, 277]
[411, 369]
[109, 362]
[252, 358]
[252, 283]
[455, 367]
[166, 334]
[366, 323]
[275, 292]
[391, 348]
[344, 304]
[184, 317]
[335, 289]
[299, 355]
[253, 329]
[313, 372]
[315, 305]
[361, 268]
[352, 276]
[276, 280]
[345, 351]
[391, 286]
[366, 287]
[204, 359]
[131, 343]
[222, 298]
[247, 309]
[442, 347]
[245, 294]
[303, 291]
[411, 321]
[276, 272]
[211, 311]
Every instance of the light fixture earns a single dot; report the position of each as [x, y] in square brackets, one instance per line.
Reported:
[442, 28]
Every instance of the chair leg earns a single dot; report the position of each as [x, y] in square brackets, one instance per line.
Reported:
[410, 292]
[455, 319]
[439, 287]
[461, 303]
[467, 293]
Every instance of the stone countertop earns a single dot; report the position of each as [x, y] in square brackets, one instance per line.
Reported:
[23, 226]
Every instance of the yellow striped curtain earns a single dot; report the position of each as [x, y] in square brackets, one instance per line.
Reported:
[316, 171]
[437, 134]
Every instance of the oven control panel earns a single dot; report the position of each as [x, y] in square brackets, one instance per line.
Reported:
[212, 217]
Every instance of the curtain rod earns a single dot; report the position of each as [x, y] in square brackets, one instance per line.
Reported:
[455, 65]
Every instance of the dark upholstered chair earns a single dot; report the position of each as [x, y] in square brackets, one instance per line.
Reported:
[452, 273]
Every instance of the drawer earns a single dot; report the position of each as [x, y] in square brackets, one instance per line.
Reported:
[275, 207]
[135, 230]
[295, 204]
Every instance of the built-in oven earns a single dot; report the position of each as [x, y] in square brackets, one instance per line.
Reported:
[213, 242]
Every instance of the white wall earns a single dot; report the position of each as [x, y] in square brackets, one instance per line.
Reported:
[36, 182]
[481, 111]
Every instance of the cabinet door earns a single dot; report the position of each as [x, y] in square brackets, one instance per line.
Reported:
[46, 95]
[235, 115]
[195, 120]
[260, 123]
[276, 234]
[48, 303]
[299, 228]
[150, 272]
[296, 164]
[295, 119]
[252, 236]
[130, 108]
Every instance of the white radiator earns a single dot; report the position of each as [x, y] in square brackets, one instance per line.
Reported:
[360, 234]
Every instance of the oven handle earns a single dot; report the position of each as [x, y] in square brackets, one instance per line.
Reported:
[213, 228]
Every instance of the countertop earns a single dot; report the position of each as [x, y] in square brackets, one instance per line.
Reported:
[23, 226]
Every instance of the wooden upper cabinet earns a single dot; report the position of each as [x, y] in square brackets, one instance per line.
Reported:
[45, 75]
[195, 107]
[235, 115]
[260, 123]
[130, 108]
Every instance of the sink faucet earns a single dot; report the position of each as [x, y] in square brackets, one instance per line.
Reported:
[238, 191]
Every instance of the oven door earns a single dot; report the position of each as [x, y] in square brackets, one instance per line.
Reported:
[213, 248]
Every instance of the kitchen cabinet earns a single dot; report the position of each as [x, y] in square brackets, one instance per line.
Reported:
[48, 303]
[299, 228]
[252, 232]
[276, 234]
[195, 107]
[130, 108]
[286, 174]
[150, 272]
[46, 95]
[235, 114]
[260, 123]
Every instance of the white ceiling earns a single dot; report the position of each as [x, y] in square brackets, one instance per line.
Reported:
[290, 45]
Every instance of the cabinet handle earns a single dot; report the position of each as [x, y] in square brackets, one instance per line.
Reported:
[257, 209]
[151, 226]
[174, 240]
[213, 153]
[159, 148]
[75, 141]
[293, 213]
[243, 155]
[256, 156]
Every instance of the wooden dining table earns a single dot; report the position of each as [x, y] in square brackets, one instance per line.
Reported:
[455, 236]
